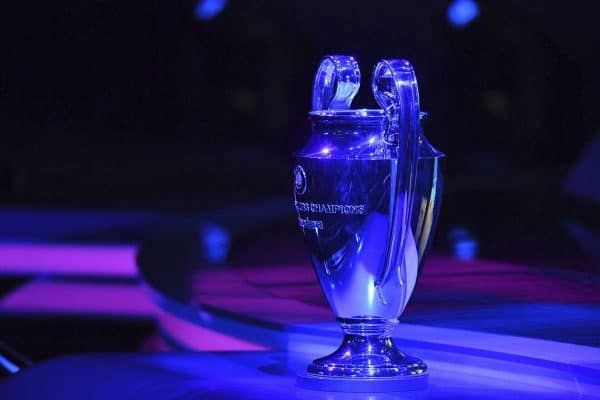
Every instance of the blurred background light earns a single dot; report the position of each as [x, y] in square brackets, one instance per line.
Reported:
[461, 12]
[463, 244]
[215, 243]
[209, 9]
[9, 366]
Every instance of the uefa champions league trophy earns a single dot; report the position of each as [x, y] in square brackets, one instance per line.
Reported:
[367, 190]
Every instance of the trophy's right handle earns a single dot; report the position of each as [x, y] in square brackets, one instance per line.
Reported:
[395, 88]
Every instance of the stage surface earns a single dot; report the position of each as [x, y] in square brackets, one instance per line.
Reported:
[245, 328]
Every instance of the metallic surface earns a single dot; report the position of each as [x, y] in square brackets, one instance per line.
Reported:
[367, 191]
[348, 254]
[336, 83]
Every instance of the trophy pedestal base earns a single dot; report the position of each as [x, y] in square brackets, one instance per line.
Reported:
[366, 361]
[362, 385]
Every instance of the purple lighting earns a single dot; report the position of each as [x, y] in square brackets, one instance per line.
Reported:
[195, 337]
[115, 300]
[67, 259]
[78, 298]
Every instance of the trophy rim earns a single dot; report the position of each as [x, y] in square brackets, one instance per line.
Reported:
[367, 114]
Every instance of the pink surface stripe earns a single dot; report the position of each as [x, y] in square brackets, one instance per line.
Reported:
[115, 300]
[195, 337]
[67, 259]
[85, 298]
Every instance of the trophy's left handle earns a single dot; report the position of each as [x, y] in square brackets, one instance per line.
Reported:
[395, 89]
[336, 83]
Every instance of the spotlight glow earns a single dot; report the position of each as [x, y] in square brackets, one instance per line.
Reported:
[461, 12]
[208, 9]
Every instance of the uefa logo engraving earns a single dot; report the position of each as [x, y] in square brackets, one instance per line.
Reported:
[299, 180]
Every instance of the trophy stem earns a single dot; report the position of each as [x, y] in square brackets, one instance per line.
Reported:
[368, 326]
[367, 351]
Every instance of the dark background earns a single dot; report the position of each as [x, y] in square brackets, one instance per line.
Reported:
[145, 105]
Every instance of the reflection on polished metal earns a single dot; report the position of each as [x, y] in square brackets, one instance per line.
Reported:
[367, 189]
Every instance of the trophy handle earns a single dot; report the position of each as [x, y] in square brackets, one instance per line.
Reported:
[395, 89]
[336, 83]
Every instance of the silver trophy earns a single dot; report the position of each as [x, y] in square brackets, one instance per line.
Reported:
[367, 191]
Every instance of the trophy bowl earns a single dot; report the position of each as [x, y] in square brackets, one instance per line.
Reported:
[367, 191]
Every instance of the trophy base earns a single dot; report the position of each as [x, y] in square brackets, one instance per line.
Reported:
[366, 361]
